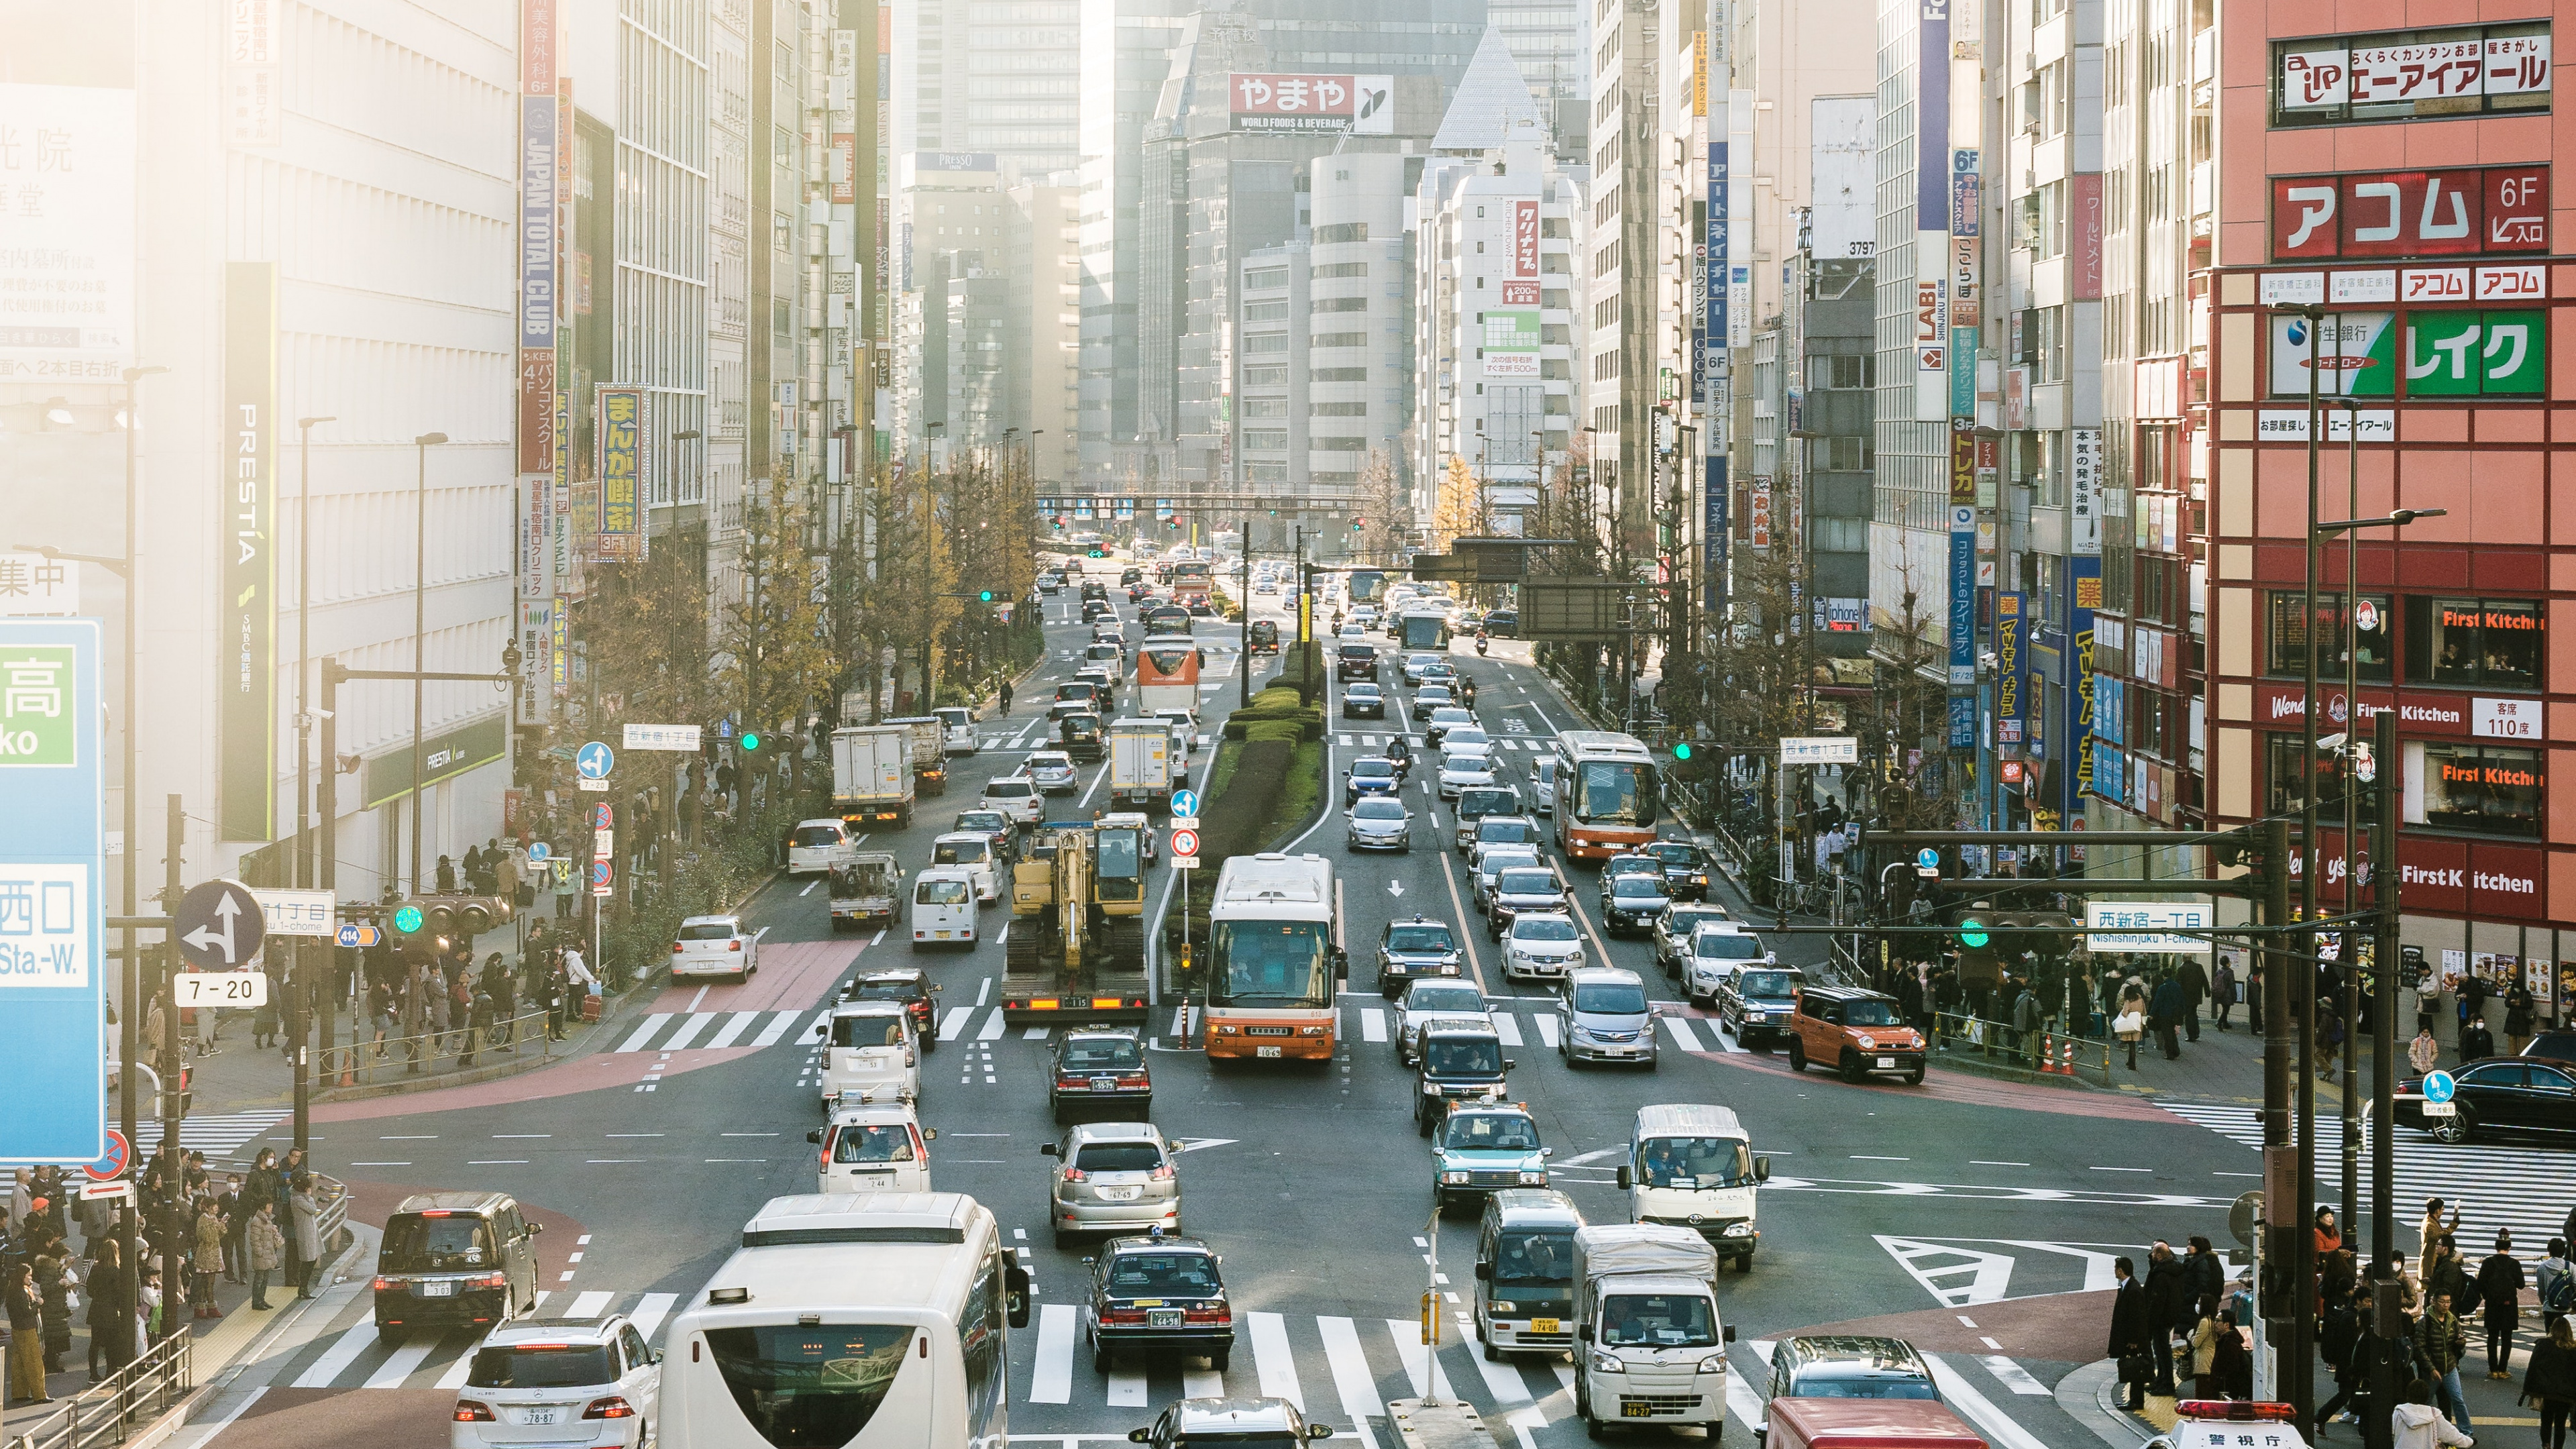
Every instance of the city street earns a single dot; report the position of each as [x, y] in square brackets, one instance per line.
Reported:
[1977, 1218]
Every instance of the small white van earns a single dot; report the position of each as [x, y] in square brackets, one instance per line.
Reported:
[943, 907]
[874, 1147]
[1690, 1166]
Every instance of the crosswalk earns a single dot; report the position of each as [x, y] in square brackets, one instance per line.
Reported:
[219, 1135]
[1531, 743]
[2494, 1185]
[1679, 1027]
[671, 1031]
[349, 1356]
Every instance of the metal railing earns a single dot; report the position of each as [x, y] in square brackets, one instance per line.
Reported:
[110, 1412]
[2042, 1053]
[365, 1062]
[334, 1216]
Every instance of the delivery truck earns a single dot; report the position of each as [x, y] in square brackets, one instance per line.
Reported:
[872, 774]
[1140, 765]
[1650, 1349]
[929, 742]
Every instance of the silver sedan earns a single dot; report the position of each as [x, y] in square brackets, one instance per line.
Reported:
[1381, 822]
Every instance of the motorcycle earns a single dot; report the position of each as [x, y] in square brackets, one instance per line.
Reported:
[1480, 643]
[1402, 755]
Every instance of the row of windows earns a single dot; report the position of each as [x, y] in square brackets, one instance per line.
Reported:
[2473, 789]
[2462, 642]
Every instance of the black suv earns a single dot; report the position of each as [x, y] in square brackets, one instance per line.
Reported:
[454, 1257]
[906, 985]
[1355, 661]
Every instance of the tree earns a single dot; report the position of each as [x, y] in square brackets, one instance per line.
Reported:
[1388, 509]
[1462, 510]
[901, 604]
[777, 651]
[646, 627]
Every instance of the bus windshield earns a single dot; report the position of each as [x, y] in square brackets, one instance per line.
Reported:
[1614, 792]
[1271, 963]
[1367, 585]
[803, 1384]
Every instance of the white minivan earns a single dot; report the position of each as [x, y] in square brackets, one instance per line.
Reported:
[1690, 1166]
[958, 722]
[874, 1147]
[815, 846]
[943, 907]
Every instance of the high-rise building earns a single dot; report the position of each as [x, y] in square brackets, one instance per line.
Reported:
[1127, 50]
[1001, 77]
[1041, 238]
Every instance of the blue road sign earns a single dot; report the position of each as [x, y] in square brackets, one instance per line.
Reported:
[599, 870]
[358, 934]
[2440, 1087]
[1185, 802]
[53, 978]
[1927, 859]
[595, 761]
[538, 850]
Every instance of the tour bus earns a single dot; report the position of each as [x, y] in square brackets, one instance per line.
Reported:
[1167, 673]
[1607, 793]
[1275, 960]
[1424, 628]
[1365, 586]
[873, 1320]
[1190, 580]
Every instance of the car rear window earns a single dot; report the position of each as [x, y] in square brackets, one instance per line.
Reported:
[1102, 1052]
[541, 1366]
[706, 931]
[961, 852]
[418, 1243]
[810, 835]
[868, 1031]
[1507, 832]
[1525, 883]
[1010, 789]
[807, 1383]
[940, 893]
[1118, 1157]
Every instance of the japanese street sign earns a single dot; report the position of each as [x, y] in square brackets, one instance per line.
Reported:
[1185, 841]
[32, 585]
[538, 850]
[94, 1191]
[2146, 925]
[602, 816]
[603, 845]
[54, 1074]
[1927, 859]
[592, 784]
[601, 873]
[661, 737]
[1185, 804]
[1185, 862]
[219, 925]
[595, 761]
[298, 912]
[2440, 1086]
[1819, 750]
[220, 988]
[113, 1162]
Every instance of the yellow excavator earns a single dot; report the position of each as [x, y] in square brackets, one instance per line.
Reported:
[1076, 949]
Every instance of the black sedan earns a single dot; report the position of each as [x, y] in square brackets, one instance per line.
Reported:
[1686, 869]
[1158, 1293]
[1363, 700]
[1504, 623]
[906, 985]
[1410, 950]
[2501, 1094]
[1099, 1072]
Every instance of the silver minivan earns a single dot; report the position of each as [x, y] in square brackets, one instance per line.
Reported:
[1603, 1016]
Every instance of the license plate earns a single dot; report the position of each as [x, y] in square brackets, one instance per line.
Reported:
[941, 935]
[1886, 1063]
[542, 1416]
[1546, 1325]
[1104, 1084]
[2441, 1109]
[1163, 1318]
[877, 1179]
[443, 1288]
[1636, 1411]
[1120, 1194]
[1268, 1051]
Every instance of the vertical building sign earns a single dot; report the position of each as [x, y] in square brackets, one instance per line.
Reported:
[1719, 416]
[2012, 668]
[1932, 161]
[1966, 262]
[620, 426]
[2084, 492]
[1962, 621]
[253, 109]
[246, 643]
[2084, 575]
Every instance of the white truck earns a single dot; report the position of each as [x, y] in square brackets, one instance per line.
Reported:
[1140, 765]
[929, 751]
[872, 773]
[1650, 1348]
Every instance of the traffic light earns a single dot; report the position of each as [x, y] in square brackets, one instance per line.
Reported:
[750, 742]
[1682, 751]
[984, 596]
[1978, 966]
[435, 923]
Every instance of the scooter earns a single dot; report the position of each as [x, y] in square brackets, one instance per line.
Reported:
[1480, 643]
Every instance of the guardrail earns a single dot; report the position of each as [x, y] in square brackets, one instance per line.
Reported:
[2040, 1053]
[109, 1412]
[360, 1063]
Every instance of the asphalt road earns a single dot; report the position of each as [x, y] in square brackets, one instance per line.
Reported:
[1926, 1204]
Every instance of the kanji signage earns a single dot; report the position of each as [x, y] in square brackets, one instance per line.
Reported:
[52, 865]
[2456, 71]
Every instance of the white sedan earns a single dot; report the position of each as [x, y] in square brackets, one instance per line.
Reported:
[1466, 760]
[714, 946]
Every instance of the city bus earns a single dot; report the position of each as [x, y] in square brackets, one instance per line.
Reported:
[1167, 673]
[1275, 962]
[1423, 628]
[1607, 793]
[920, 1292]
[1366, 586]
[1190, 580]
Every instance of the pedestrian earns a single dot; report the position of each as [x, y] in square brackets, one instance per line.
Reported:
[2222, 991]
[2165, 1012]
[228, 1202]
[2254, 993]
[2500, 1281]
[2443, 1343]
[2204, 1348]
[446, 878]
[2329, 1233]
[2131, 1340]
[2477, 1043]
[585, 985]
[263, 1019]
[2347, 1346]
[2169, 1308]
[151, 1325]
[2472, 1000]
[2329, 1034]
[2130, 1022]
[2231, 1363]
[56, 1282]
[2195, 989]
[2206, 1276]
[306, 1241]
[2519, 1011]
[267, 1249]
[478, 1022]
[2027, 1023]
[555, 991]
[111, 1314]
[2423, 1053]
[2549, 1382]
[2432, 1229]
[206, 1260]
[2415, 1424]
[1006, 696]
[2554, 1279]
[26, 1309]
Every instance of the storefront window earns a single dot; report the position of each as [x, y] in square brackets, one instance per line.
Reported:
[2484, 789]
[2287, 639]
[2486, 643]
[2283, 754]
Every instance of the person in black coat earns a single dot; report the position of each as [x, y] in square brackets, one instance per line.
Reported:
[2499, 1281]
[2195, 990]
[2171, 1304]
[2131, 1337]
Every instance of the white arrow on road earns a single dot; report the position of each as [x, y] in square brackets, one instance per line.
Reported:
[1395, 887]
[205, 936]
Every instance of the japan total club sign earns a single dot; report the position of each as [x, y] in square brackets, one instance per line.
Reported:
[1363, 105]
[2464, 212]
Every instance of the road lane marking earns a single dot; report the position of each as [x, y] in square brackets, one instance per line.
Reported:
[645, 1032]
[1999, 1428]
[809, 888]
[993, 1027]
[1126, 1388]
[649, 1313]
[1408, 1346]
[1679, 1028]
[1372, 1024]
[454, 1378]
[779, 1023]
[1051, 1382]
[700, 998]
[1035, 1033]
[1352, 1378]
[1507, 1027]
[343, 1352]
[2011, 1375]
[1502, 1380]
[405, 1360]
[688, 1032]
[1475, 966]
[590, 1305]
[1548, 1026]
[955, 1022]
[1276, 1362]
[740, 1023]
[1200, 1383]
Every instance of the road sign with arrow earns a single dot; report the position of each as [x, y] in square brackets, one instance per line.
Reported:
[219, 926]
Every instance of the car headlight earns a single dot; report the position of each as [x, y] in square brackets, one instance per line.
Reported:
[1229, 1030]
[1310, 1031]
[1534, 1179]
[1739, 1230]
[1454, 1179]
[1867, 1042]
[1604, 1363]
[1431, 1089]
[1713, 1364]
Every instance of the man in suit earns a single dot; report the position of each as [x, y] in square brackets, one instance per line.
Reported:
[2130, 1334]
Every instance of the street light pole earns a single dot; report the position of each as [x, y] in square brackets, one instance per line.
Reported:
[129, 1249]
[419, 628]
[299, 990]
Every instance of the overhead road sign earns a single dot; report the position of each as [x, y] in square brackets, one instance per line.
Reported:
[298, 912]
[660, 737]
[1820, 750]
[359, 934]
[2150, 926]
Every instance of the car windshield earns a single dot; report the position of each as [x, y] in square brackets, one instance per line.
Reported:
[1420, 938]
[706, 931]
[1274, 963]
[418, 1243]
[1768, 983]
[1118, 1157]
[1445, 998]
[1695, 1162]
[1491, 1132]
[1636, 885]
[869, 1030]
[1508, 832]
[1464, 736]
[1378, 809]
[1686, 919]
[1543, 928]
[1526, 883]
[811, 835]
[1373, 770]
[1100, 1053]
[1658, 1320]
[885, 1142]
[1610, 998]
[541, 1366]
[1464, 1057]
[961, 852]
[1534, 1257]
[1871, 1013]
[1158, 1275]
[1674, 852]
[1838, 1381]
[940, 893]
[1726, 946]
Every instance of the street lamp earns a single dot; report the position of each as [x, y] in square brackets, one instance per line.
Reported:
[419, 630]
[129, 1250]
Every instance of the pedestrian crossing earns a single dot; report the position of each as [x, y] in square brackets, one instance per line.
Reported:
[219, 1135]
[352, 1357]
[2494, 1185]
[1530, 743]
[671, 1031]
[1680, 1028]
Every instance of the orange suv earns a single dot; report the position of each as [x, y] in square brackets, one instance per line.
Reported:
[1858, 1032]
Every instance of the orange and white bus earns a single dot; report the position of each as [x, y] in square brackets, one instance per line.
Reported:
[1190, 580]
[1275, 963]
[1167, 673]
[1607, 793]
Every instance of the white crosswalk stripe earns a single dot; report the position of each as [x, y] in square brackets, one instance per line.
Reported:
[1273, 1360]
[780, 1022]
[354, 1357]
[690, 1030]
[1548, 1026]
[651, 1028]
[955, 1022]
[217, 1134]
[2497, 1185]
[1679, 1029]
[1372, 1024]
[717, 1028]
[590, 1305]
[1508, 1027]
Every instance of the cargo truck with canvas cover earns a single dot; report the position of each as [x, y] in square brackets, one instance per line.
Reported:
[1649, 1346]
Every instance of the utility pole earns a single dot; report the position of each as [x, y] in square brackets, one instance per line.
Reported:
[2283, 1294]
[173, 1074]
[1243, 659]
[299, 993]
[419, 629]
[2385, 882]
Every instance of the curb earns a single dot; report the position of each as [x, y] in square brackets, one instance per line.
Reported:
[1979, 1065]
[2090, 1396]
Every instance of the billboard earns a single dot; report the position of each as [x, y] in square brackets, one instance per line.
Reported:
[620, 426]
[2461, 212]
[1842, 222]
[1510, 342]
[1932, 162]
[1362, 105]
[67, 234]
[246, 637]
[53, 879]
[1524, 238]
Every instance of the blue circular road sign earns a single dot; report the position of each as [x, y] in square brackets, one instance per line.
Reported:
[538, 850]
[1185, 802]
[595, 761]
[1927, 858]
[2440, 1086]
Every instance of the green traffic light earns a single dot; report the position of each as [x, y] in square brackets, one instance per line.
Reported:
[985, 597]
[407, 920]
[1682, 751]
[1972, 934]
[750, 742]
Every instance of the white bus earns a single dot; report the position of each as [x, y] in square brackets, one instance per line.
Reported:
[866, 1320]
[1275, 958]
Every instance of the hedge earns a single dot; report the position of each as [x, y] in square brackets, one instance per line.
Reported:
[1279, 706]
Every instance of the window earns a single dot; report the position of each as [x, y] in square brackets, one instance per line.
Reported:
[1341, 304]
[1841, 372]
[1265, 311]
[1337, 410]
[1339, 339]
[2482, 789]
[801, 1384]
[1267, 277]
[2288, 792]
[2396, 75]
[1347, 231]
[2494, 643]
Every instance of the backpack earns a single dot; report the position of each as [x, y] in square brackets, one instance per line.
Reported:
[2560, 1294]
